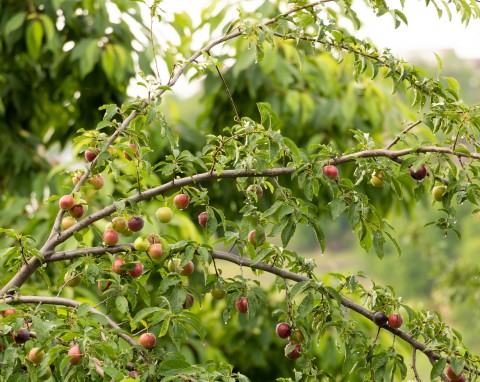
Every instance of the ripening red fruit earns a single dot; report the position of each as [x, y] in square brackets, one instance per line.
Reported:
[90, 155]
[241, 305]
[67, 222]
[293, 353]
[154, 238]
[148, 340]
[132, 146]
[77, 211]
[117, 263]
[420, 174]
[155, 251]
[137, 271]
[103, 285]
[110, 237]
[75, 353]
[181, 201]
[254, 240]
[188, 269]
[97, 181]
[331, 171]
[134, 374]
[119, 224]
[8, 312]
[66, 202]
[21, 336]
[188, 301]
[257, 188]
[135, 223]
[395, 320]
[283, 330]
[202, 219]
[35, 356]
[454, 377]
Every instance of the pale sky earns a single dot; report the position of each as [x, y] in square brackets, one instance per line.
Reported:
[425, 32]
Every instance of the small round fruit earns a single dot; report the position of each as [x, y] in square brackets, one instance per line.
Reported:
[134, 374]
[188, 269]
[155, 251]
[90, 155]
[8, 312]
[97, 181]
[164, 214]
[67, 222]
[252, 238]
[188, 301]
[127, 233]
[36, 356]
[132, 146]
[137, 271]
[241, 305]
[437, 192]
[218, 292]
[119, 224]
[75, 353]
[451, 374]
[380, 318]
[66, 202]
[135, 223]
[377, 180]
[420, 174]
[283, 330]
[76, 177]
[257, 188]
[181, 201]
[293, 353]
[395, 320]
[141, 244]
[202, 219]
[154, 238]
[117, 264]
[21, 336]
[77, 211]
[110, 237]
[331, 171]
[148, 340]
[72, 280]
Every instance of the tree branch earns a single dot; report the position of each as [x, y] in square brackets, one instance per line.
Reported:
[241, 261]
[47, 250]
[72, 304]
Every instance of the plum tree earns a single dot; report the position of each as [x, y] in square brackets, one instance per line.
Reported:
[136, 155]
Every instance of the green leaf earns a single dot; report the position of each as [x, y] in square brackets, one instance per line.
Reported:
[174, 367]
[319, 233]
[337, 206]
[297, 288]
[267, 114]
[146, 312]
[288, 231]
[33, 38]
[83, 309]
[378, 243]
[457, 365]
[122, 304]
[14, 23]
[438, 368]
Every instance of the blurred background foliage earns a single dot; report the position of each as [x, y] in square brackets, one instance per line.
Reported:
[75, 56]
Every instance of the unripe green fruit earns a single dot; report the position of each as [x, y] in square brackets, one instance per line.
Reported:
[71, 280]
[67, 222]
[141, 244]
[164, 214]
[437, 192]
[218, 292]
[119, 224]
[36, 356]
[377, 180]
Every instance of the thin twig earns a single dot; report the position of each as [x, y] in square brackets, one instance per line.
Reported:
[404, 131]
[414, 364]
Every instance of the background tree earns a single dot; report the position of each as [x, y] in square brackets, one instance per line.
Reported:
[107, 277]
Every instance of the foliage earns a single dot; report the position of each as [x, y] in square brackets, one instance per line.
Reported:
[250, 152]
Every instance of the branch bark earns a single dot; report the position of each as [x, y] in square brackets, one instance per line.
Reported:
[70, 303]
